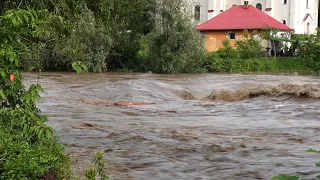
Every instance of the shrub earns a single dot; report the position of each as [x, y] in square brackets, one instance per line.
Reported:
[92, 173]
[248, 47]
[29, 149]
[310, 52]
[227, 52]
[213, 63]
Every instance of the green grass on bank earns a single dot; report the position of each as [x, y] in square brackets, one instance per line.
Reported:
[263, 64]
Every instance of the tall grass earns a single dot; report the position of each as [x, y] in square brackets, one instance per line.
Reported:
[214, 63]
[267, 65]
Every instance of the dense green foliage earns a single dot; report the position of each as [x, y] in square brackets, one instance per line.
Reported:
[261, 64]
[174, 45]
[29, 149]
[139, 35]
[310, 52]
[99, 170]
[249, 47]
[246, 58]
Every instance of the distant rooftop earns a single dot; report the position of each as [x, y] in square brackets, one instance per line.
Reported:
[239, 17]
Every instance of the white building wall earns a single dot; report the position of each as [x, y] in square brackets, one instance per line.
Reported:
[281, 11]
[293, 12]
[302, 19]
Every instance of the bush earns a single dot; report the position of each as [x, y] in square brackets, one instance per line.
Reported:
[268, 65]
[248, 47]
[29, 149]
[227, 52]
[310, 52]
[213, 63]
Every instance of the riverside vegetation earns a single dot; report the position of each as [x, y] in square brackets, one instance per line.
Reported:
[29, 149]
[140, 36]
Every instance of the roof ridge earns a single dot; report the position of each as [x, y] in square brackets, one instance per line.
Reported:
[260, 15]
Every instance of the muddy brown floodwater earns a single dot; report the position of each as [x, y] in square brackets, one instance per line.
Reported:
[221, 132]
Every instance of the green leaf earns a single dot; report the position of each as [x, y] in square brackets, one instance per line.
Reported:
[318, 164]
[312, 150]
[48, 133]
[285, 177]
[25, 128]
[79, 67]
[60, 19]
[2, 95]
[40, 133]
[294, 178]
[3, 74]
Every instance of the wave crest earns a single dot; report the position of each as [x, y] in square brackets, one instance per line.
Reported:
[293, 90]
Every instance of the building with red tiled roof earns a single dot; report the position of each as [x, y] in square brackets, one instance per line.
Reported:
[232, 22]
[300, 15]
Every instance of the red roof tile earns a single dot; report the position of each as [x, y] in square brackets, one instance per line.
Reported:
[237, 17]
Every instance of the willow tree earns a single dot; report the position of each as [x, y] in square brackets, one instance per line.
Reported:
[174, 44]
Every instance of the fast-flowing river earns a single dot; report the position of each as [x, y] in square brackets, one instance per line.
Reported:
[219, 137]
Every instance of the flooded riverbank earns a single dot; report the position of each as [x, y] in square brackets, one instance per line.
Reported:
[175, 138]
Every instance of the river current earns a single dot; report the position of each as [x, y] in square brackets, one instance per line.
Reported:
[200, 126]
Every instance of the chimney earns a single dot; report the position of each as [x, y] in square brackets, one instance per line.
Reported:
[246, 4]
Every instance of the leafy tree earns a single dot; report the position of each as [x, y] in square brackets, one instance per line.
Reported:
[174, 44]
[99, 32]
[109, 33]
[130, 20]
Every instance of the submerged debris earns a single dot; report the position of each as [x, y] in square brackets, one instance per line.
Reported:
[188, 96]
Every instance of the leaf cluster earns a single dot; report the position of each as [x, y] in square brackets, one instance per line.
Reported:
[310, 52]
[29, 149]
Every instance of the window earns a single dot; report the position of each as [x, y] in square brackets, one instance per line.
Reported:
[284, 21]
[259, 6]
[203, 35]
[197, 13]
[308, 28]
[232, 35]
[284, 1]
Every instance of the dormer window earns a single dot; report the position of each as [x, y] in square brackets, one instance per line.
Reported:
[259, 6]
